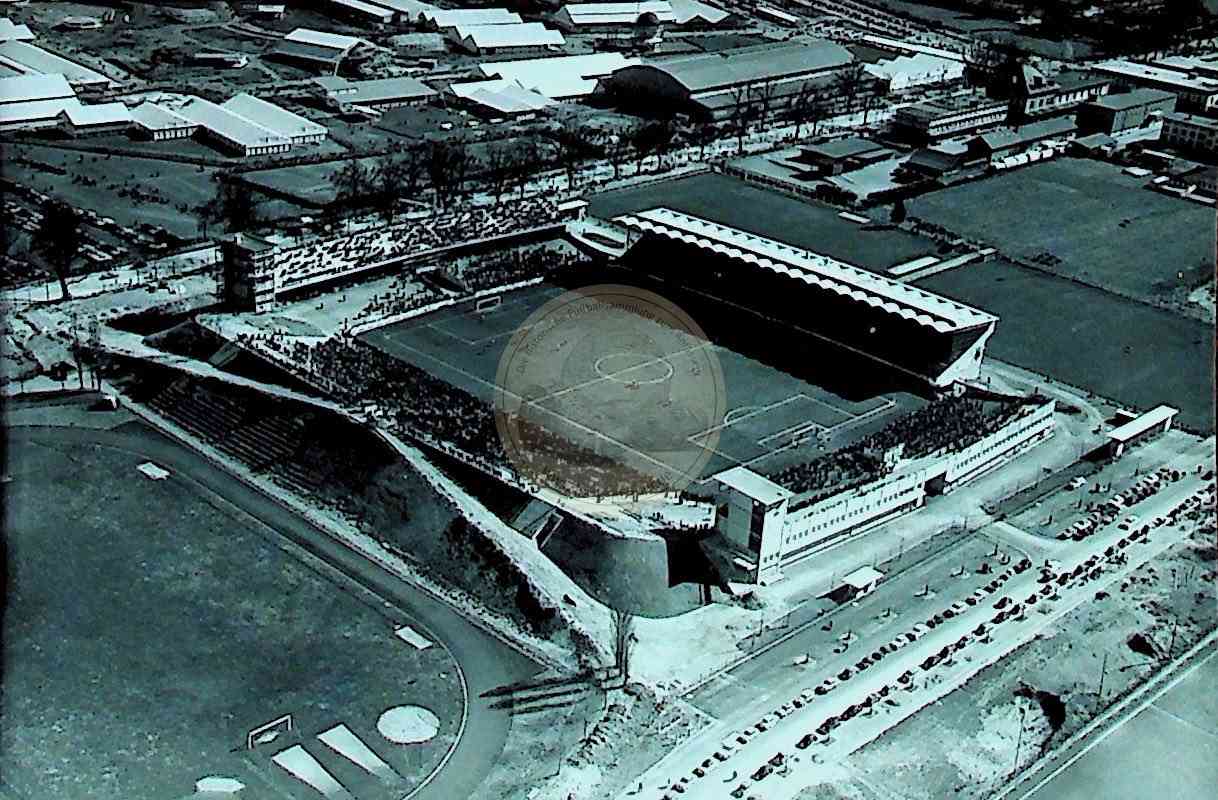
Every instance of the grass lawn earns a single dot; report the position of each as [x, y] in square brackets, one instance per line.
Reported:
[1104, 227]
[149, 629]
[1117, 348]
[800, 223]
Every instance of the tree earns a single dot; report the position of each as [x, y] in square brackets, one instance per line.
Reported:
[763, 93]
[742, 112]
[499, 166]
[388, 177]
[871, 103]
[623, 641]
[806, 107]
[703, 133]
[899, 213]
[574, 144]
[232, 205]
[447, 162]
[350, 183]
[848, 84]
[617, 149]
[653, 137]
[57, 239]
[522, 162]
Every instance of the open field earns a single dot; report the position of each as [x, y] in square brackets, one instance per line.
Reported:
[797, 222]
[1172, 745]
[1117, 348]
[770, 417]
[232, 631]
[1100, 222]
[165, 192]
[965, 745]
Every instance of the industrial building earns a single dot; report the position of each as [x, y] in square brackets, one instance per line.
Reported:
[158, 123]
[1125, 110]
[295, 128]
[447, 19]
[359, 12]
[25, 58]
[1190, 132]
[95, 120]
[1195, 88]
[382, 94]
[714, 85]
[28, 102]
[1034, 95]
[950, 116]
[318, 50]
[516, 39]
[613, 18]
[1004, 142]
[559, 77]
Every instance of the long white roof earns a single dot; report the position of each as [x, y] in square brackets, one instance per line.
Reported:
[367, 9]
[24, 88]
[559, 77]
[11, 30]
[271, 116]
[227, 125]
[34, 110]
[502, 96]
[617, 13]
[331, 41]
[98, 114]
[158, 118]
[523, 34]
[903, 300]
[35, 59]
[454, 17]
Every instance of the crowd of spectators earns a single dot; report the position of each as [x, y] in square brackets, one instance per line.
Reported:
[335, 255]
[512, 267]
[358, 375]
[950, 423]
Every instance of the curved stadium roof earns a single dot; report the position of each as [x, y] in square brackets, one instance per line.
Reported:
[901, 299]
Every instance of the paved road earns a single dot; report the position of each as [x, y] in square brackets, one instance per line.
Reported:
[486, 661]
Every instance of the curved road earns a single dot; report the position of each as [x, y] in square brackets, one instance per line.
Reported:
[485, 661]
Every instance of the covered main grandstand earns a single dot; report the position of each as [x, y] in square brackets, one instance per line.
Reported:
[905, 328]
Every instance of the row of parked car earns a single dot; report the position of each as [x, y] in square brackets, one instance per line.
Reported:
[1104, 514]
[866, 707]
[1053, 577]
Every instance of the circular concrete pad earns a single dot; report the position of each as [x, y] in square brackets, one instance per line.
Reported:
[408, 724]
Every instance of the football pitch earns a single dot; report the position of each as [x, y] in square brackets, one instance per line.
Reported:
[150, 628]
[765, 419]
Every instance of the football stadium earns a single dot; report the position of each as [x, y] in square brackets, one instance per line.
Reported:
[870, 401]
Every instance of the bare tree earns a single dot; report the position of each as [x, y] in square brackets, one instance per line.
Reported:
[388, 179]
[742, 112]
[232, 205]
[57, 239]
[499, 165]
[764, 95]
[623, 641]
[849, 82]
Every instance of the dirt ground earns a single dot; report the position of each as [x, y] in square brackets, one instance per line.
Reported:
[965, 745]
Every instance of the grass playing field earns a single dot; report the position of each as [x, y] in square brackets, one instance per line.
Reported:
[770, 419]
[1105, 228]
[1116, 348]
[800, 223]
[149, 628]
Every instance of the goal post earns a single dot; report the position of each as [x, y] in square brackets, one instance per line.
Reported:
[484, 304]
[284, 723]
